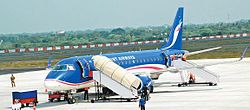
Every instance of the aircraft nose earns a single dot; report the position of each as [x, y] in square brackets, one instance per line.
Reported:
[52, 85]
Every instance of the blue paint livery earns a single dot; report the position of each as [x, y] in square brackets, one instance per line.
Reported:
[83, 65]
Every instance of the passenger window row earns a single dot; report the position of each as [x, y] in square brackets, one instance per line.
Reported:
[141, 60]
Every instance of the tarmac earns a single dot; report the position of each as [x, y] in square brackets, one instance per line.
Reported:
[232, 93]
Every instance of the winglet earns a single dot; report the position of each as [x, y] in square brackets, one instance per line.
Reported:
[244, 53]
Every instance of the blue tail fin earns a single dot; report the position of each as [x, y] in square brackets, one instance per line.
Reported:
[49, 62]
[175, 36]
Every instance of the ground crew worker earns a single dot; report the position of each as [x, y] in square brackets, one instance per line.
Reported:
[174, 57]
[12, 78]
[142, 103]
[191, 78]
[145, 92]
[86, 93]
[184, 58]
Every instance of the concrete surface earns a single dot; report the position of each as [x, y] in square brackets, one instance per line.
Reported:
[233, 92]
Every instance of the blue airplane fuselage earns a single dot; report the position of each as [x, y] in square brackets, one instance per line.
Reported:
[76, 71]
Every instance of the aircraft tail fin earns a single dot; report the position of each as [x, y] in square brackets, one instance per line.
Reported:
[49, 62]
[175, 36]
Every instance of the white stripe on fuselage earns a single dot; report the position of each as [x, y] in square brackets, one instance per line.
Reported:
[145, 69]
[58, 85]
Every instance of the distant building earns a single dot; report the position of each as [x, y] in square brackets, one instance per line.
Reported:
[61, 32]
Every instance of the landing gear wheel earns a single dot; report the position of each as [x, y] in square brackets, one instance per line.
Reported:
[92, 101]
[71, 100]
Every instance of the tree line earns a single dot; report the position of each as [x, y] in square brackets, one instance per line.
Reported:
[128, 34]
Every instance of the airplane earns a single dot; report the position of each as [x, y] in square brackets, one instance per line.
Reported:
[77, 72]
[49, 66]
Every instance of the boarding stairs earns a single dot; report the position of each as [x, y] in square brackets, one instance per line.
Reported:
[197, 70]
[115, 77]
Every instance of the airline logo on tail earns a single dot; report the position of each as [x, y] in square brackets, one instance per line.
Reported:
[175, 36]
[176, 33]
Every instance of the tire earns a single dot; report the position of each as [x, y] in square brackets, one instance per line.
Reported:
[51, 100]
[69, 101]
[58, 99]
[73, 100]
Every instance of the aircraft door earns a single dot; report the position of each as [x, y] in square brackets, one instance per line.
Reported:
[167, 58]
[84, 66]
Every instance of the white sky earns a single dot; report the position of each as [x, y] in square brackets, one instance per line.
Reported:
[17, 16]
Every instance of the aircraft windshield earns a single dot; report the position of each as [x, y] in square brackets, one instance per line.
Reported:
[64, 67]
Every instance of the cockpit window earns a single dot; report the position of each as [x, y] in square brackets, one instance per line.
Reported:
[64, 67]
[71, 67]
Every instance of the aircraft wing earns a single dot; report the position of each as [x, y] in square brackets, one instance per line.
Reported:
[225, 62]
[202, 51]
